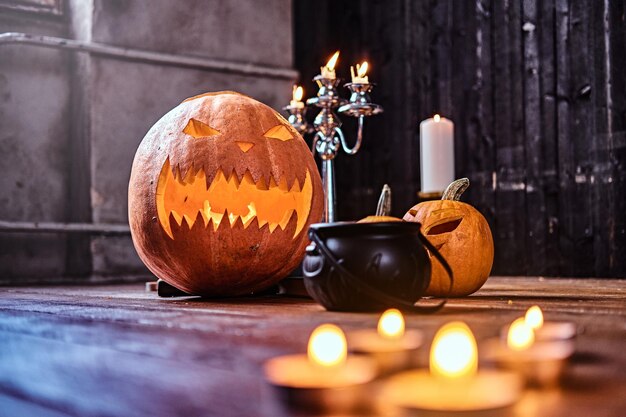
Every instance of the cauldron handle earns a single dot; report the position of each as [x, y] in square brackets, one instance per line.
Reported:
[368, 289]
[432, 249]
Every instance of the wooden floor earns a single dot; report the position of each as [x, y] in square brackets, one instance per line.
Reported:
[120, 351]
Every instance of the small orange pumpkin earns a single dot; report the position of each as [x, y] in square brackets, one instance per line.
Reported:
[462, 235]
[382, 209]
[221, 194]
[379, 219]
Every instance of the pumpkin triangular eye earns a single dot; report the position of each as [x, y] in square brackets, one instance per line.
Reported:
[197, 129]
[279, 132]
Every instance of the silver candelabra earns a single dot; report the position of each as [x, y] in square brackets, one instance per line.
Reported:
[328, 137]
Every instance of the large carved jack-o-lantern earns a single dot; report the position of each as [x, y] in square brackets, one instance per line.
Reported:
[221, 194]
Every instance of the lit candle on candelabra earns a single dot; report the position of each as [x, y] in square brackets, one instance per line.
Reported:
[329, 137]
[360, 76]
[296, 110]
[328, 71]
[436, 155]
[453, 382]
[296, 97]
[391, 344]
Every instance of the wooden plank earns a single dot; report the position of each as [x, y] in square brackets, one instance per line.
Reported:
[116, 350]
[96, 381]
[550, 190]
[461, 30]
[475, 154]
[509, 232]
[441, 15]
[575, 138]
[610, 130]
[536, 220]
[12, 407]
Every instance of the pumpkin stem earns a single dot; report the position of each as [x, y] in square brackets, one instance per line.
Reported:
[384, 202]
[455, 189]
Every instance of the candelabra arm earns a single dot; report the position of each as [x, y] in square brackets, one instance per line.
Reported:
[318, 135]
[359, 138]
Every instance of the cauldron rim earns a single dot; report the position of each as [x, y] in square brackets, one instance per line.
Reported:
[353, 229]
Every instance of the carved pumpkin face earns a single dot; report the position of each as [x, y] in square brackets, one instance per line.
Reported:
[221, 194]
[462, 236]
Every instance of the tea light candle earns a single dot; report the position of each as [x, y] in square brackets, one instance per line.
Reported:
[453, 382]
[325, 366]
[296, 100]
[360, 76]
[541, 363]
[436, 154]
[548, 330]
[328, 71]
[391, 345]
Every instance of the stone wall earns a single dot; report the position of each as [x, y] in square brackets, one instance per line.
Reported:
[71, 121]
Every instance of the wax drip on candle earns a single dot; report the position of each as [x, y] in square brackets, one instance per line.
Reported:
[327, 346]
[328, 71]
[297, 94]
[360, 76]
[521, 335]
[391, 324]
[454, 353]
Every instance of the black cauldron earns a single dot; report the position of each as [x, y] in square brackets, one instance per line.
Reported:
[369, 266]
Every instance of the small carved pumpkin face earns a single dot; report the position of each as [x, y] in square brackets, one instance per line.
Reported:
[229, 176]
[462, 236]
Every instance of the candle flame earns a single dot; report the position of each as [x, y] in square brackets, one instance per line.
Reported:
[521, 336]
[332, 61]
[534, 317]
[327, 346]
[297, 93]
[437, 118]
[454, 353]
[391, 324]
[362, 69]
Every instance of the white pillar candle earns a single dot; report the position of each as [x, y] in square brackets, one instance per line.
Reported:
[436, 154]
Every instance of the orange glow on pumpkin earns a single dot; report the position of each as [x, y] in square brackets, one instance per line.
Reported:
[273, 204]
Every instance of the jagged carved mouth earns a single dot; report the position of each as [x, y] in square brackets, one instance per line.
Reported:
[230, 198]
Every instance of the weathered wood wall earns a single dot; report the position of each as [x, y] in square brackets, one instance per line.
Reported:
[537, 91]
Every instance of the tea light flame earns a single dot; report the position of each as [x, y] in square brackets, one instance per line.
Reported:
[391, 324]
[327, 346]
[361, 70]
[297, 93]
[330, 65]
[534, 317]
[454, 353]
[521, 335]
[437, 118]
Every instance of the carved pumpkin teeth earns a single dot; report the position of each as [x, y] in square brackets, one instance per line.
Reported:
[239, 198]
